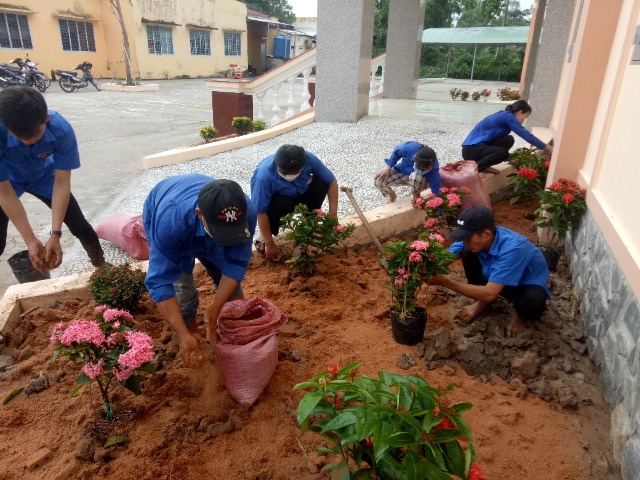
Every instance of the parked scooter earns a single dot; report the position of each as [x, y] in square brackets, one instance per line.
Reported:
[11, 76]
[69, 80]
[33, 77]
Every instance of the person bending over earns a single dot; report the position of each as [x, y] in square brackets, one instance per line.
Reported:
[489, 142]
[280, 182]
[412, 164]
[497, 261]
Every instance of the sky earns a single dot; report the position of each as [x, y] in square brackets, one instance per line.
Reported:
[309, 8]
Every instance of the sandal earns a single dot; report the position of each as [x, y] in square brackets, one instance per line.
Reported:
[260, 246]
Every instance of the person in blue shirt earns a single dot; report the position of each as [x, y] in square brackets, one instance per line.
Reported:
[497, 261]
[281, 181]
[489, 142]
[38, 151]
[412, 164]
[195, 216]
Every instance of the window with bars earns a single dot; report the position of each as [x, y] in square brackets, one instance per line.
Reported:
[200, 41]
[14, 31]
[232, 44]
[77, 36]
[159, 40]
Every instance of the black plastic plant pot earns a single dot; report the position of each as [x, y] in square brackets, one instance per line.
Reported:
[410, 330]
[552, 256]
[23, 270]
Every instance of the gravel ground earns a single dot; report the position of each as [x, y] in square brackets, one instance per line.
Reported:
[353, 152]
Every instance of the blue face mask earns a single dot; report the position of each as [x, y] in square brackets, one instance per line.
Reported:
[420, 172]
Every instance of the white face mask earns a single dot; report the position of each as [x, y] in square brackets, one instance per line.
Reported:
[290, 178]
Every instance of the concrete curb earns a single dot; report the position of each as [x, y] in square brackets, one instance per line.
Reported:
[145, 87]
[385, 221]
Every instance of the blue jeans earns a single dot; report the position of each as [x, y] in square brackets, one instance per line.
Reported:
[187, 293]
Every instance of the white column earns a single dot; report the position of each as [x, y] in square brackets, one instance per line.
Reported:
[276, 119]
[290, 102]
[372, 84]
[306, 96]
[259, 101]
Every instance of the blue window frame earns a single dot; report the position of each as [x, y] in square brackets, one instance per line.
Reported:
[77, 36]
[14, 31]
[159, 40]
[200, 42]
[232, 44]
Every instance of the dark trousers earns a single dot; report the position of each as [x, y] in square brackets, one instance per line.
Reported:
[77, 224]
[281, 205]
[490, 153]
[529, 301]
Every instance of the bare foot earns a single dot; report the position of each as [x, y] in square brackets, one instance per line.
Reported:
[516, 325]
[392, 197]
[470, 312]
[491, 170]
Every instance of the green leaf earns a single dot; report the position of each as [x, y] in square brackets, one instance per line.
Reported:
[414, 466]
[133, 384]
[302, 385]
[75, 391]
[115, 441]
[307, 404]
[401, 439]
[391, 467]
[340, 421]
[83, 379]
[148, 367]
[461, 407]
[328, 451]
[410, 420]
[434, 473]
[13, 393]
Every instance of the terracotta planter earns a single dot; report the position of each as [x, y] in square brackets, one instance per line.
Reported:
[410, 330]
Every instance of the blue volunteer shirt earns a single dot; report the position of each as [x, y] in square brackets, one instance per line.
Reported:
[266, 181]
[512, 261]
[401, 160]
[497, 125]
[31, 167]
[177, 236]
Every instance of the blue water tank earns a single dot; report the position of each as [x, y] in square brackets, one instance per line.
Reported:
[281, 46]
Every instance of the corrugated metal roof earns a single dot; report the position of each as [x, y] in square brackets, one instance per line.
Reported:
[477, 35]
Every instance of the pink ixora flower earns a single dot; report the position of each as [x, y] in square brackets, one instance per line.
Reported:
[82, 331]
[319, 212]
[415, 257]
[430, 223]
[454, 199]
[418, 202]
[341, 228]
[94, 370]
[401, 271]
[399, 281]
[435, 203]
[113, 314]
[139, 353]
[437, 237]
[58, 327]
[101, 308]
[444, 190]
[419, 245]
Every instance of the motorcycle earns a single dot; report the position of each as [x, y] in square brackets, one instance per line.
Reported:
[33, 77]
[11, 76]
[69, 80]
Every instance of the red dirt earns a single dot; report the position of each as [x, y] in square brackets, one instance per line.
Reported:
[339, 315]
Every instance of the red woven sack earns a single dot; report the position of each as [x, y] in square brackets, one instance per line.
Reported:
[247, 347]
[464, 173]
[125, 230]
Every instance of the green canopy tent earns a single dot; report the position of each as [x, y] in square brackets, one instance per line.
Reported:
[475, 36]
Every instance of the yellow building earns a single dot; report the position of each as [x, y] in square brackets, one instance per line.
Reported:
[167, 39]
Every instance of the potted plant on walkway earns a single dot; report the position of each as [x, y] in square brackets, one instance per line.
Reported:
[561, 207]
[409, 265]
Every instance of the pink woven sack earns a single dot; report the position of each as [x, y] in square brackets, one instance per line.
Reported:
[464, 173]
[247, 347]
[125, 230]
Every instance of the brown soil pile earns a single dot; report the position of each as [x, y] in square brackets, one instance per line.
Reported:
[537, 409]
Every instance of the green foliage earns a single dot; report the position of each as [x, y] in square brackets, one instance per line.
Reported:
[241, 124]
[314, 233]
[530, 176]
[278, 8]
[118, 287]
[389, 427]
[443, 208]
[464, 95]
[475, 96]
[561, 207]
[455, 93]
[208, 133]
[508, 94]
[258, 125]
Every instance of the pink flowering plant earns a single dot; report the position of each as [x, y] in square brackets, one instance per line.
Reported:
[561, 207]
[442, 208]
[387, 427]
[410, 264]
[530, 176]
[314, 233]
[112, 351]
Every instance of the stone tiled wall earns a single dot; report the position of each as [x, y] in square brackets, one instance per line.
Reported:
[611, 315]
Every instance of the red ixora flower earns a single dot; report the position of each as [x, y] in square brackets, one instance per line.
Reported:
[333, 369]
[547, 164]
[475, 472]
[567, 198]
[529, 173]
[446, 423]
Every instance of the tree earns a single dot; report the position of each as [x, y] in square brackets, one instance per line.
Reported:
[116, 8]
[277, 8]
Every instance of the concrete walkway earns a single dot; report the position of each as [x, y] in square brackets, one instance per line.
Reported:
[115, 130]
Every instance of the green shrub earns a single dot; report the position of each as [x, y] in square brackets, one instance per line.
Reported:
[258, 125]
[241, 124]
[208, 133]
[118, 286]
[475, 96]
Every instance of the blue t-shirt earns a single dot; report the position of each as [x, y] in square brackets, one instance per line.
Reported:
[31, 167]
[177, 236]
[497, 125]
[401, 160]
[266, 181]
[512, 261]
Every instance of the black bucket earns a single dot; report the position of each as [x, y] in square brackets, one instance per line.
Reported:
[24, 270]
[410, 330]
[552, 256]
